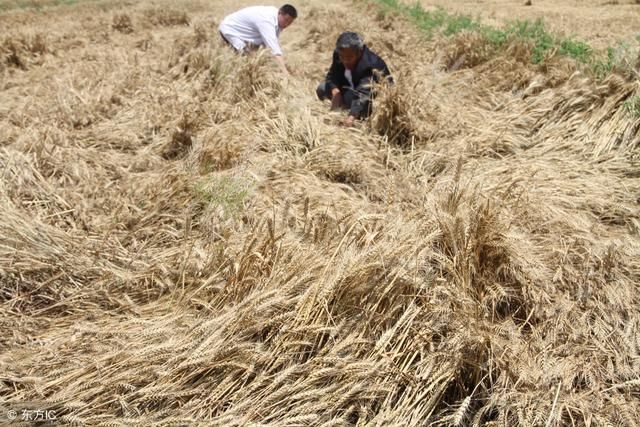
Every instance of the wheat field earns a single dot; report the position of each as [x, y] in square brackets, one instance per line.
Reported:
[187, 238]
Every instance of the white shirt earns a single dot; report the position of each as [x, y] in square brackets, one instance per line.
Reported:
[257, 25]
[348, 76]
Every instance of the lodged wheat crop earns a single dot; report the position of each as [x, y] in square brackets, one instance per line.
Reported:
[188, 239]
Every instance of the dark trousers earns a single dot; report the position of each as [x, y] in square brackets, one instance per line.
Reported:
[224, 39]
[228, 43]
[348, 95]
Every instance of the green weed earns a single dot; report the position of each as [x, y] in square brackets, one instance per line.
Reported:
[602, 67]
[632, 106]
[577, 50]
[228, 193]
[544, 43]
[534, 31]
[620, 58]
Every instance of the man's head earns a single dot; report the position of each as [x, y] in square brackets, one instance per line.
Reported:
[286, 15]
[350, 46]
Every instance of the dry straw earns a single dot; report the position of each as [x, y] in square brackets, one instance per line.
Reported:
[188, 239]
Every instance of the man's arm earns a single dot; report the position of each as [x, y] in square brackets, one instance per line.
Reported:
[382, 68]
[334, 75]
[281, 63]
[270, 38]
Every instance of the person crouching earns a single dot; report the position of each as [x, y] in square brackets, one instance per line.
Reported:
[349, 81]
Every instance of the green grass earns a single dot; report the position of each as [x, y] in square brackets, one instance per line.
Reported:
[604, 66]
[577, 50]
[621, 57]
[534, 32]
[632, 106]
[228, 193]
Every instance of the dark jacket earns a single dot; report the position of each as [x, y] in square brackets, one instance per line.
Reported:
[363, 76]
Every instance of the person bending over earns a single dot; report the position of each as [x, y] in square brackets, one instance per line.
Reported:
[353, 70]
[255, 26]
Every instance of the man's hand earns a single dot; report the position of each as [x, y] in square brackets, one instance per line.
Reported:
[283, 66]
[349, 121]
[336, 99]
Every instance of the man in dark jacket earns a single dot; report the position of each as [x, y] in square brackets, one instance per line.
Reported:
[353, 71]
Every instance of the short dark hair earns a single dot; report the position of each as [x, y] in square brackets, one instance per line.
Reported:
[350, 40]
[287, 9]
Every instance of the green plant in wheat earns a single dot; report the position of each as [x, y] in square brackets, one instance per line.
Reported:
[620, 58]
[227, 193]
[632, 106]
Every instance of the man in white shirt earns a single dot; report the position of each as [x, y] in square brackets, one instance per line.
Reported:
[255, 26]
